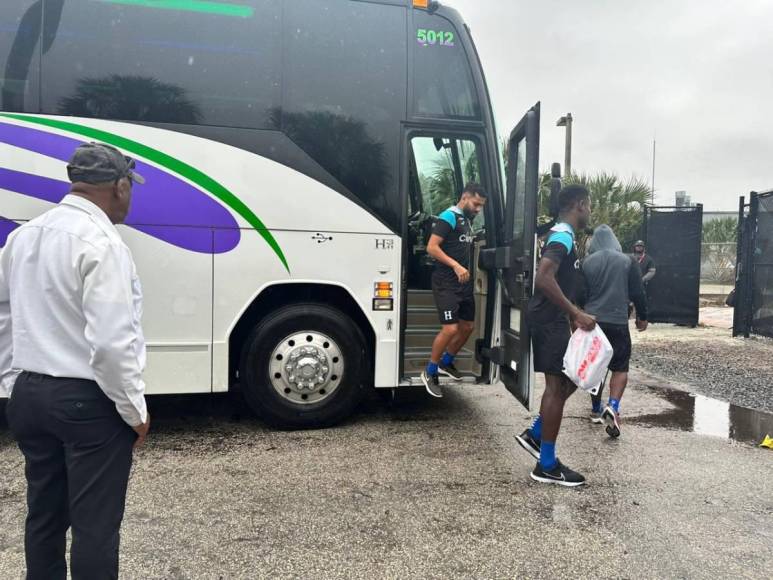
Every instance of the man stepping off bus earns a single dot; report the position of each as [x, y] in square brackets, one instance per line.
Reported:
[548, 315]
[451, 245]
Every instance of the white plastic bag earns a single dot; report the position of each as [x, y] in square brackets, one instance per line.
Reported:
[587, 357]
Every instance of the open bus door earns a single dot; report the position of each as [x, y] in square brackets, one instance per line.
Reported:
[515, 260]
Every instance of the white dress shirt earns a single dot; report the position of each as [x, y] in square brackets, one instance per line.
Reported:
[71, 303]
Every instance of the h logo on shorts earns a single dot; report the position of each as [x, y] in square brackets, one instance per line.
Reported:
[448, 315]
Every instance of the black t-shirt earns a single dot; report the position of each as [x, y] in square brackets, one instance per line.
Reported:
[645, 263]
[559, 248]
[456, 230]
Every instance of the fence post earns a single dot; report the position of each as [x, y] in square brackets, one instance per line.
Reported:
[740, 268]
[754, 205]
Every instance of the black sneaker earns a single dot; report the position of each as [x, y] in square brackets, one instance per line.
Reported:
[450, 371]
[560, 475]
[529, 443]
[612, 422]
[432, 384]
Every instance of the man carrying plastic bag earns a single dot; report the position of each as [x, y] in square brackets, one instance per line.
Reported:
[548, 316]
[611, 281]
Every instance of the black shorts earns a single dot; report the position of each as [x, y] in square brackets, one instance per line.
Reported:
[454, 301]
[549, 342]
[619, 337]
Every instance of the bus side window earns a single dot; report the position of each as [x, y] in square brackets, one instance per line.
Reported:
[134, 61]
[443, 167]
[20, 25]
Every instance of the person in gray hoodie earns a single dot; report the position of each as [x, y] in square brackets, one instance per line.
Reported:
[610, 282]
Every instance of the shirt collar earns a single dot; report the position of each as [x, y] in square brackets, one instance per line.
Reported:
[89, 207]
[563, 227]
[456, 210]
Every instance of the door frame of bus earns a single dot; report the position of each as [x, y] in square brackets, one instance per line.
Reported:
[470, 131]
[515, 263]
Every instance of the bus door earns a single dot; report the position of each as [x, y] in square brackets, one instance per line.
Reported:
[514, 261]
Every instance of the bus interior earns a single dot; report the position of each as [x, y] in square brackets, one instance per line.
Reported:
[438, 169]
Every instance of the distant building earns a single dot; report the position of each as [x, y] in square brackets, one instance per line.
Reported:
[682, 199]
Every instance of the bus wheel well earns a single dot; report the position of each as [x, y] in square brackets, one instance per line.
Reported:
[280, 295]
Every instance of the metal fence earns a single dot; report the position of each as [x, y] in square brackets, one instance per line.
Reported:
[754, 272]
[673, 237]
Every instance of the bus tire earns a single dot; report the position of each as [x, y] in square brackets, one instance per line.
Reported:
[304, 367]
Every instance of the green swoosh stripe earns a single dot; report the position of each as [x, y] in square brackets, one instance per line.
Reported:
[167, 161]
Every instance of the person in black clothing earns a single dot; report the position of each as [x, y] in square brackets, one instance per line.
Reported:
[548, 318]
[645, 261]
[451, 246]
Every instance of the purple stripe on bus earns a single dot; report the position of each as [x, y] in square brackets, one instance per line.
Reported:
[164, 199]
[6, 227]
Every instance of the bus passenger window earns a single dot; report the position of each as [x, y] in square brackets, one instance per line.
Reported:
[135, 61]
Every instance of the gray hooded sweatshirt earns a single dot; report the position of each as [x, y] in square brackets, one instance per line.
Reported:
[611, 281]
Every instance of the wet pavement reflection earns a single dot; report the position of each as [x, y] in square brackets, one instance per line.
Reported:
[707, 416]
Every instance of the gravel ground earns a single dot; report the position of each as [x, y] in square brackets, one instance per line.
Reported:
[710, 362]
[438, 490]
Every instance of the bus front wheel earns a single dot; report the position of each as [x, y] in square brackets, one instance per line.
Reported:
[304, 367]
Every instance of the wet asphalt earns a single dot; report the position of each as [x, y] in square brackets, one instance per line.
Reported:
[436, 489]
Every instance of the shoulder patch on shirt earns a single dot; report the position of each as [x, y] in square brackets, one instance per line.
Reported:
[449, 217]
[564, 238]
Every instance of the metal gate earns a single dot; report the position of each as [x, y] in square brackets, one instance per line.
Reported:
[754, 270]
[673, 236]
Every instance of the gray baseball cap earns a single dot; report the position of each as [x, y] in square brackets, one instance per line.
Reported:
[101, 163]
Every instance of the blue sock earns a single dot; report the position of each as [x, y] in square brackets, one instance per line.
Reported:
[432, 368]
[536, 428]
[596, 405]
[448, 359]
[615, 404]
[547, 455]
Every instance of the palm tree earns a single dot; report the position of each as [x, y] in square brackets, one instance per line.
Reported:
[130, 98]
[720, 231]
[619, 204]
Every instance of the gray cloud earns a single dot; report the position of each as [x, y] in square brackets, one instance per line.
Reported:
[697, 76]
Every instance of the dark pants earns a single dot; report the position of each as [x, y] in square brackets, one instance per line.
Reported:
[78, 455]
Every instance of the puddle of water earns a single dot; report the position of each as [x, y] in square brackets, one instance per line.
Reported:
[706, 416]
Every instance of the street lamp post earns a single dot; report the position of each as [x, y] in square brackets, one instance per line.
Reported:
[566, 121]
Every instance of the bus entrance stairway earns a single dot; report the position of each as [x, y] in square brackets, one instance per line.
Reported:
[423, 325]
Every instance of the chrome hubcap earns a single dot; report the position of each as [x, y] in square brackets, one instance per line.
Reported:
[306, 367]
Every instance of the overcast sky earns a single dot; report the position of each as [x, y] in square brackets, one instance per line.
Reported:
[695, 75]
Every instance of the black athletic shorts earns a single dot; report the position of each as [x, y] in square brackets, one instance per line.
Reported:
[549, 342]
[454, 301]
[620, 338]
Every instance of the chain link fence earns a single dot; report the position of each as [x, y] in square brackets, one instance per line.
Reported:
[754, 275]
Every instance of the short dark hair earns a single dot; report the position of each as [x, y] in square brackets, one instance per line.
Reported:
[474, 188]
[571, 195]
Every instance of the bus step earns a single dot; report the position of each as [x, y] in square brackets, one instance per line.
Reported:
[423, 316]
[415, 381]
[416, 359]
[421, 298]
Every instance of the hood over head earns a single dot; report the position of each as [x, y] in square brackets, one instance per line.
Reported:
[604, 239]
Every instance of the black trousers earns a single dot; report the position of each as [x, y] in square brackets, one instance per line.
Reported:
[78, 454]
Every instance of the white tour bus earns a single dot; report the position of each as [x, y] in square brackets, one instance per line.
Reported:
[295, 153]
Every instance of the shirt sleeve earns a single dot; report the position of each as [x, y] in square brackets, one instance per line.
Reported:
[113, 331]
[445, 224]
[555, 250]
[7, 374]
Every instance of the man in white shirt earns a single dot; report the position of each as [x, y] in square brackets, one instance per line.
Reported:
[72, 354]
